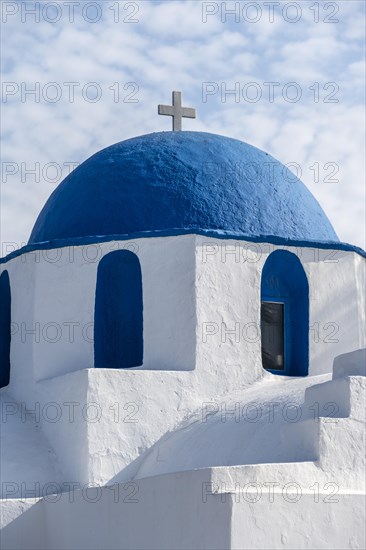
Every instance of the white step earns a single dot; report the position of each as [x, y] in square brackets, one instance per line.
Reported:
[350, 364]
[329, 399]
[341, 451]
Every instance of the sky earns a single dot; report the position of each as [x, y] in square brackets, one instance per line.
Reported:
[287, 77]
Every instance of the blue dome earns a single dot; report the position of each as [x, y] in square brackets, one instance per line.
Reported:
[182, 180]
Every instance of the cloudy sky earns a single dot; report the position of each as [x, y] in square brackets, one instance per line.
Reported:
[79, 76]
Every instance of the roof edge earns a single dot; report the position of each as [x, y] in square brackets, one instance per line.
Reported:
[213, 233]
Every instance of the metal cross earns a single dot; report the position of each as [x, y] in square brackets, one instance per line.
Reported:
[177, 111]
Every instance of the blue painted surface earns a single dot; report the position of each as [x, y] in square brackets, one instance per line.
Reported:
[284, 280]
[37, 248]
[182, 180]
[118, 322]
[5, 334]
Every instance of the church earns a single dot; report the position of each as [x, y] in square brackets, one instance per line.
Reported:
[182, 357]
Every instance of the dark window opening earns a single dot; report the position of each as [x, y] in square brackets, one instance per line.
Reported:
[272, 327]
[5, 334]
[118, 317]
[285, 315]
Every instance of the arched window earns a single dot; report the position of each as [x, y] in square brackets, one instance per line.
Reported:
[118, 318]
[5, 320]
[285, 315]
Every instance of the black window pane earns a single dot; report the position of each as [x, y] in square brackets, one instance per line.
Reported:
[272, 328]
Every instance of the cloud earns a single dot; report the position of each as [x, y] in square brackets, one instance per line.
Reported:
[170, 47]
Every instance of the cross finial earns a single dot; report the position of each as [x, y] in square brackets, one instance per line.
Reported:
[177, 111]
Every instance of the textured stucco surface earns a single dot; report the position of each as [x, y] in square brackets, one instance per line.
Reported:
[201, 312]
[182, 180]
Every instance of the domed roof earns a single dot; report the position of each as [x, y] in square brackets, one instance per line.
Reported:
[182, 180]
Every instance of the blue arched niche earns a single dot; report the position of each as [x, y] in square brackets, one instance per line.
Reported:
[285, 315]
[118, 321]
[5, 330]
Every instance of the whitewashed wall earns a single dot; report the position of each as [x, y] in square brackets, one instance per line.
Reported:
[228, 279]
[201, 306]
[177, 511]
[195, 290]
[337, 286]
[22, 278]
[53, 293]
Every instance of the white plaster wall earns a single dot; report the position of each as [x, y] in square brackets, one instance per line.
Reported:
[54, 292]
[133, 410]
[22, 287]
[27, 460]
[59, 286]
[337, 305]
[65, 287]
[168, 271]
[228, 279]
[184, 511]
[22, 524]
[228, 308]
[298, 525]
[186, 284]
[159, 513]
[64, 421]
[201, 306]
